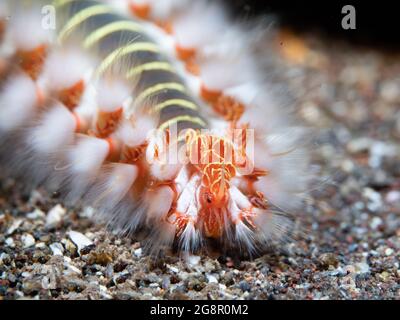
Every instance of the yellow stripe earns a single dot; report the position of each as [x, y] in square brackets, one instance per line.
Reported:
[149, 66]
[81, 16]
[130, 48]
[60, 3]
[103, 31]
[175, 102]
[159, 87]
[177, 119]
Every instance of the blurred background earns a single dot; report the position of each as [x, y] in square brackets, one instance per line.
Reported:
[377, 21]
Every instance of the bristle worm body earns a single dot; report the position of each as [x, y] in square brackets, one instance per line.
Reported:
[154, 123]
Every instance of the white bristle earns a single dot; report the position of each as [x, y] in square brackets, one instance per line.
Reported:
[164, 167]
[111, 94]
[88, 155]
[187, 200]
[17, 102]
[232, 42]
[190, 238]
[265, 107]
[56, 130]
[162, 235]
[245, 93]
[245, 237]
[162, 10]
[26, 30]
[272, 226]
[239, 198]
[200, 25]
[160, 202]
[226, 72]
[135, 133]
[64, 68]
[285, 157]
[87, 107]
[112, 185]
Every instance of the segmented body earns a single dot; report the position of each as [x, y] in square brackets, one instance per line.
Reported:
[136, 149]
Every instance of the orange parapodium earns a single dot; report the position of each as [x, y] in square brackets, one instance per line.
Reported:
[209, 95]
[2, 29]
[71, 96]
[142, 11]
[229, 108]
[132, 155]
[31, 61]
[107, 122]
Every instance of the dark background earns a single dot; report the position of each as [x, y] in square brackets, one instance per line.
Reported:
[377, 22]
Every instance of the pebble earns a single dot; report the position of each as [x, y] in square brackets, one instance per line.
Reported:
[359, 145]
[80, 240]
[211, 278]
[87, 212]
[54, 216]
[40, 245]
[70, 246]
[384, 276]
[138, 252]
[14, 226]
[192, 260]
[57, 249]
[375, 223]
[361, 267]
[390, 91]
[28, 240]
[375, 199]
[389, 251]
[328, 259]
[70, 270]
[244, 286]
[378, 151]
[173, 269]
[36, 214]
[393, 197]
[10, 242]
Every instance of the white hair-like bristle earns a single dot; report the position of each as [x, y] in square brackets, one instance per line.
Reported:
[190, 237]
[111, 94]
[228, 72]
[285, 157]
[81, 166]
[165, 167]
[55, 129]
[64, 68]
[187, 203]
[264, 105]
[159, 201]
[273, 226]
[17, 102]
[26, 30]
[161, 10]
[200, 25]
[165, 171]
[135, 133]
[112, 185]
[88, 155]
